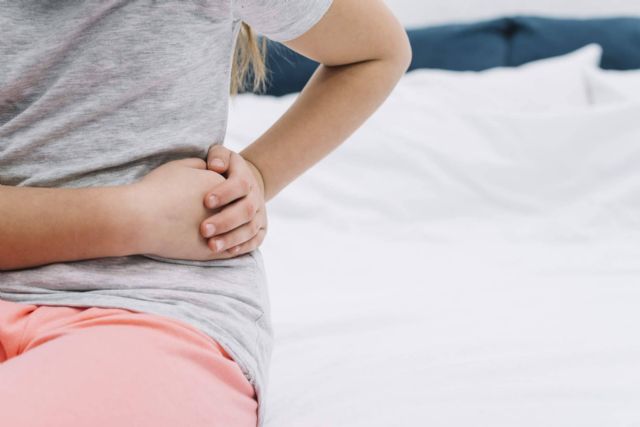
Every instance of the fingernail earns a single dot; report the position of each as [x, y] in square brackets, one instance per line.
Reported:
[217, 163]
[208, 230]
[219, 245]
[213, 201]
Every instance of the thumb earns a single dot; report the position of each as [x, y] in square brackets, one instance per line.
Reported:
[218, 158]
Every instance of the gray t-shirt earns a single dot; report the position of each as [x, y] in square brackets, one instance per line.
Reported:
[97, 93]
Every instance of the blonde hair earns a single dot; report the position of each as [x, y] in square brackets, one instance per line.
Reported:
[248, 61]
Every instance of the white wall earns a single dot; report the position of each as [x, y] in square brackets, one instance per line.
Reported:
[421, 12]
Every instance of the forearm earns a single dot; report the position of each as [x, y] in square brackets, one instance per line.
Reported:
[45, 225]
[334, 103]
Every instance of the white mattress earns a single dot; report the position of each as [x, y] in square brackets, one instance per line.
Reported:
[451, 266]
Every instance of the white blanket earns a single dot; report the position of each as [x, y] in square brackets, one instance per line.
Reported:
[457, 267]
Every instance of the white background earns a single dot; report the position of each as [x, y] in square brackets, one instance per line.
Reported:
[421, 12]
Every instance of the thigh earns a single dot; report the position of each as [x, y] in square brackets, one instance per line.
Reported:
[110, 367]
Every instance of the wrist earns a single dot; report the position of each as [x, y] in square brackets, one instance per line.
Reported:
[127, 220]
[259, 177]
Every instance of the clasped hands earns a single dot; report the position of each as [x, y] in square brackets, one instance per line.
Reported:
[241, 225]
[201, 210]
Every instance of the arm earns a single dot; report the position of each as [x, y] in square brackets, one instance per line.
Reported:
[45, 225]
[363, 51]
[159, 214]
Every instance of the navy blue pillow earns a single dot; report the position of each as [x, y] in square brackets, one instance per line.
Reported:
[537, 38]
[461, 47]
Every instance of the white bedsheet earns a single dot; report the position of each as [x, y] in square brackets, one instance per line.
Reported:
[419, 333]
[457, 268]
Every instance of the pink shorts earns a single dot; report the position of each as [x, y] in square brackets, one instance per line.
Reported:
[92, 366]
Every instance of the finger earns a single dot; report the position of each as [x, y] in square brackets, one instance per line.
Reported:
[235, 187]
[239, 183]
[218, 158]
[193, 162]
[246, 246]
[235, 237]
[231, 216]
[249, 245]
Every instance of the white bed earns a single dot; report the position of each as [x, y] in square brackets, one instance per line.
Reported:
[469, 263]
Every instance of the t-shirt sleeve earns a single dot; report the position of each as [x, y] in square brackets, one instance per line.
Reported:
[281, 20]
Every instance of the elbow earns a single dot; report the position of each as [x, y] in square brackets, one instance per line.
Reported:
[404, 51]
[399, 51]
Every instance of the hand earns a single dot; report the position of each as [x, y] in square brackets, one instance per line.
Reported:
[241, 225]
[168, 203]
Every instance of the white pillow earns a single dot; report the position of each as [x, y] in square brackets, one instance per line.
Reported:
[611, 86]
[554, 83]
